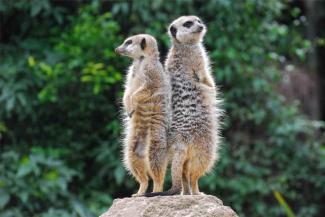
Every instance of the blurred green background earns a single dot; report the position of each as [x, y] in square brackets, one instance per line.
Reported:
[60, 103]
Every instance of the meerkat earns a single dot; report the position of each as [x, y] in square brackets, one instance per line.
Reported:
[146, 103]
[194, 130]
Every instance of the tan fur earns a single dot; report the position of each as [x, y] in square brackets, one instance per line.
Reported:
[145, 101]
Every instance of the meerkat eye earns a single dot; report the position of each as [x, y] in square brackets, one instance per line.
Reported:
[128, 42]
[188, 24]
[199, 21]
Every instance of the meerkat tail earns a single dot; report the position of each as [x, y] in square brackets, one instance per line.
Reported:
[170, 192]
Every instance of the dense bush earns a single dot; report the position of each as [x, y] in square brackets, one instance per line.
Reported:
[60, 92]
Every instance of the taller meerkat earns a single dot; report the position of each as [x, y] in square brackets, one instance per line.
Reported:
[194, 132]
[146, 104]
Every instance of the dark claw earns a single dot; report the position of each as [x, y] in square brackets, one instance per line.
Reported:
[130, 114]
[196, 77]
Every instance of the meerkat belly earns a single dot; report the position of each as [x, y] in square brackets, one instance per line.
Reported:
[189, 114]
[151, 113]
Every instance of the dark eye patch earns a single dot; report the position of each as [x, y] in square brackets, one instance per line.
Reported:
[199, 21]
[128, 42]
[188, 24]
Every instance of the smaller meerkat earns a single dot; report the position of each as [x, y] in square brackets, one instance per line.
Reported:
[145, 101]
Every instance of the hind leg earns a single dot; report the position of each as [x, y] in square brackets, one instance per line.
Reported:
[158, 170]
[158, 179]
[134, 158]
[140, 174]
[195, 185]
[157, 157]
[202, 159]
[185, 180]
[179, 159]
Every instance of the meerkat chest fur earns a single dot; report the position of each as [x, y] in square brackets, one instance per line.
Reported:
[137, 75]
[190, 109]
[134, 76]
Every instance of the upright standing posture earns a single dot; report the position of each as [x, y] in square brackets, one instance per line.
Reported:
[193, 134]
[145, 101]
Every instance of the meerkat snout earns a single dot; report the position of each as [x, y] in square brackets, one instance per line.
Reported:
[119, 50]
[200, 28]
[126, 48]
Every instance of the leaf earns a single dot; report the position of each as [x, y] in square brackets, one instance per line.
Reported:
[36, 8]
[24, 170]
[3, 128]
[31, 61]
[80, 208]
[96, 88]
[284, 204]
[119, 174]
[4, 198]
[10, 104]
[51, 175]
[86, 78]
[23, 196]
[46, 68]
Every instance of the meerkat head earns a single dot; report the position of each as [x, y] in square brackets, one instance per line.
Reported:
[187, 30]
[138, 46]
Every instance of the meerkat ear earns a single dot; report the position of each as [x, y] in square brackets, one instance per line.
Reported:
[173, 31]
[143, 43]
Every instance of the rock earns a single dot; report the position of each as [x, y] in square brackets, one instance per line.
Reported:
[170, 206]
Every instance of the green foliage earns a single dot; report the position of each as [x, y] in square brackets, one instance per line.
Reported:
[33, 182]
[60, 93]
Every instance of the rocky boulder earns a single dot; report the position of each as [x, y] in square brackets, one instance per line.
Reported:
[170, 206]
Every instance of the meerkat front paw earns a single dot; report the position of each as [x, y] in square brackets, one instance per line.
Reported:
[128, 105]
[133, 102]
[199, 193]
[196, 76]
[137, 195]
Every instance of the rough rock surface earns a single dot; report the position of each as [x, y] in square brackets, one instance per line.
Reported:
[170, 206]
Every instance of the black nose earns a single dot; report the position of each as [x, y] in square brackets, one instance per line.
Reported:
[200, 28]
